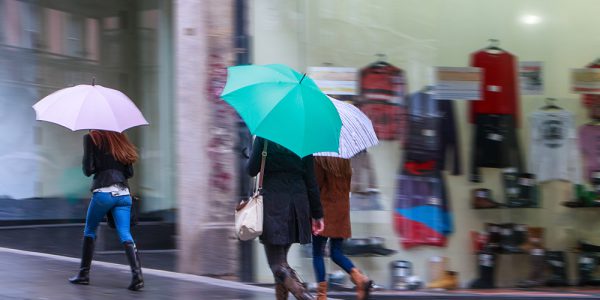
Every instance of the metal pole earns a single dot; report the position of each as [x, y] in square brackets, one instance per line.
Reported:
[246, 270]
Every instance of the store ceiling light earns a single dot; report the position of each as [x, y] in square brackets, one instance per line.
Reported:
[531, 19]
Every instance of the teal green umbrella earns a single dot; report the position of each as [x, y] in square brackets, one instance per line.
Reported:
[284, 106]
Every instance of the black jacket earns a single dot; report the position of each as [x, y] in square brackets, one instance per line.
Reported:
[106, 169]
[290, 194]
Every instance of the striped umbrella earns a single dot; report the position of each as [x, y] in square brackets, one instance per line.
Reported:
[357, 132]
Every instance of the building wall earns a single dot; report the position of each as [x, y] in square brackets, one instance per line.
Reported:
[207, 185]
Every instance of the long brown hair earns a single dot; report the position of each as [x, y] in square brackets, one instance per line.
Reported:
[117, 144]
[338, 167]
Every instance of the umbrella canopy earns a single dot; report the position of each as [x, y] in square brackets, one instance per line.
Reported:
[284, 106]
[89, 107]
[357, 132]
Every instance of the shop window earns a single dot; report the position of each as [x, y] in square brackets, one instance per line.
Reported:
[147, 29]
[55, 30]
[12, 23]
[75, 36]
[3, 24]
[32, 35]
[92, 38]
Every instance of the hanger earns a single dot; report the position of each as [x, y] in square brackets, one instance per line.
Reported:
[494, 46]
[381, 61]
[428, 89]
[550, 104]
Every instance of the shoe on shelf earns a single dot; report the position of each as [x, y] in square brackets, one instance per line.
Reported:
[448, 281]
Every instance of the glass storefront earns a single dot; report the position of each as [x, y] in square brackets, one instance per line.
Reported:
[49, 45]
[404, 42]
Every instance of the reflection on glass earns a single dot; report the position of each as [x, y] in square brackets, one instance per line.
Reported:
[49, 45]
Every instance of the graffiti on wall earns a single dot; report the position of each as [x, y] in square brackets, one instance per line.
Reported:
[223, 132]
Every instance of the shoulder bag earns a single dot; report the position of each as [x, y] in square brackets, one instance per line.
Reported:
[249, 213]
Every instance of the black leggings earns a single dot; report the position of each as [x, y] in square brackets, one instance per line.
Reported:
[276, 255]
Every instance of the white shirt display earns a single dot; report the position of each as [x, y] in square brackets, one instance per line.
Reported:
[554, 153]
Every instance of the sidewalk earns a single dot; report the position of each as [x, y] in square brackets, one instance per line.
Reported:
[30, 275]
[33, 275]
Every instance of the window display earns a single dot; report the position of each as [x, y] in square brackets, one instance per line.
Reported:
[526, 176]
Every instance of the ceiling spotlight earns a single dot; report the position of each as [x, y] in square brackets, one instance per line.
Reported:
[531, 19]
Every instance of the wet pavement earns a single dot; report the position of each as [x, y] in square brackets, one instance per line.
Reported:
[44, 277]
[40, 276]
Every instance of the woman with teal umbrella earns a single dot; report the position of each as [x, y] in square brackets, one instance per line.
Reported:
[292, 119]
[292, 210]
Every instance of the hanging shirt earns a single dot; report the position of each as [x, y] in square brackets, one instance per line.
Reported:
[383, 88]
[592, 101]
[432, 133]
[589, 142]
[553, 150]
[499, 86]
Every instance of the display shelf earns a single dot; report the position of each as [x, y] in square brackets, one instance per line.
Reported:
[501, 208]
[580, 207]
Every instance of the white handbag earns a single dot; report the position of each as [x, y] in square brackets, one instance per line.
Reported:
[249, 213]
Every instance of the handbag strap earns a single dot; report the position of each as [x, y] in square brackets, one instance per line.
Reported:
[262, 167]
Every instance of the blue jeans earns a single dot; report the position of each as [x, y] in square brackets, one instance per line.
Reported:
[120, 207]
[336, 253]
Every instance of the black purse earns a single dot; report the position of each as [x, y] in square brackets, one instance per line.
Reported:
[133, 218]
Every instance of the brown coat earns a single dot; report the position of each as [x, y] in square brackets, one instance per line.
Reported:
[335, 199]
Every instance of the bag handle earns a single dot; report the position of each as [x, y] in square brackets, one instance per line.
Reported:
[262, 167]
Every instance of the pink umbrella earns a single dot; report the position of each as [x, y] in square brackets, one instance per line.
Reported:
[89, 107]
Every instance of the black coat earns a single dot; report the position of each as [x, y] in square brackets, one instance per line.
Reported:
[105, 168]
[290, 194]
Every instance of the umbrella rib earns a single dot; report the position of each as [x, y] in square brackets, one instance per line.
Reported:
[254, 85]
[81, 103]
[85, 99]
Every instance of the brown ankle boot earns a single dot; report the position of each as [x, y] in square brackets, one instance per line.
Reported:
[292, 283]
[448, 282]
[322, 291]
[281, 293]
[362, 282]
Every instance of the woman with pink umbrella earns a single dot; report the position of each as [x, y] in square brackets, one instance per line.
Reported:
[108, 155]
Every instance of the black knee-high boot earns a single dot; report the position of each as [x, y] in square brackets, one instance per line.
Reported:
[83, 277]
[137, 280]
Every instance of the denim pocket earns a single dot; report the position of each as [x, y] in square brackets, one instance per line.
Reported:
[102, 198]
[124, 200]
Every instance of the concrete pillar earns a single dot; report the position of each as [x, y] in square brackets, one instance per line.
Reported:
[206, 186]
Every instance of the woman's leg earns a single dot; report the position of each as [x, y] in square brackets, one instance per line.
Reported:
[277, 257]
[362, 282]
[283, 273]
[318, 244]
[337, 255]
[99, 205]
[122, 212]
